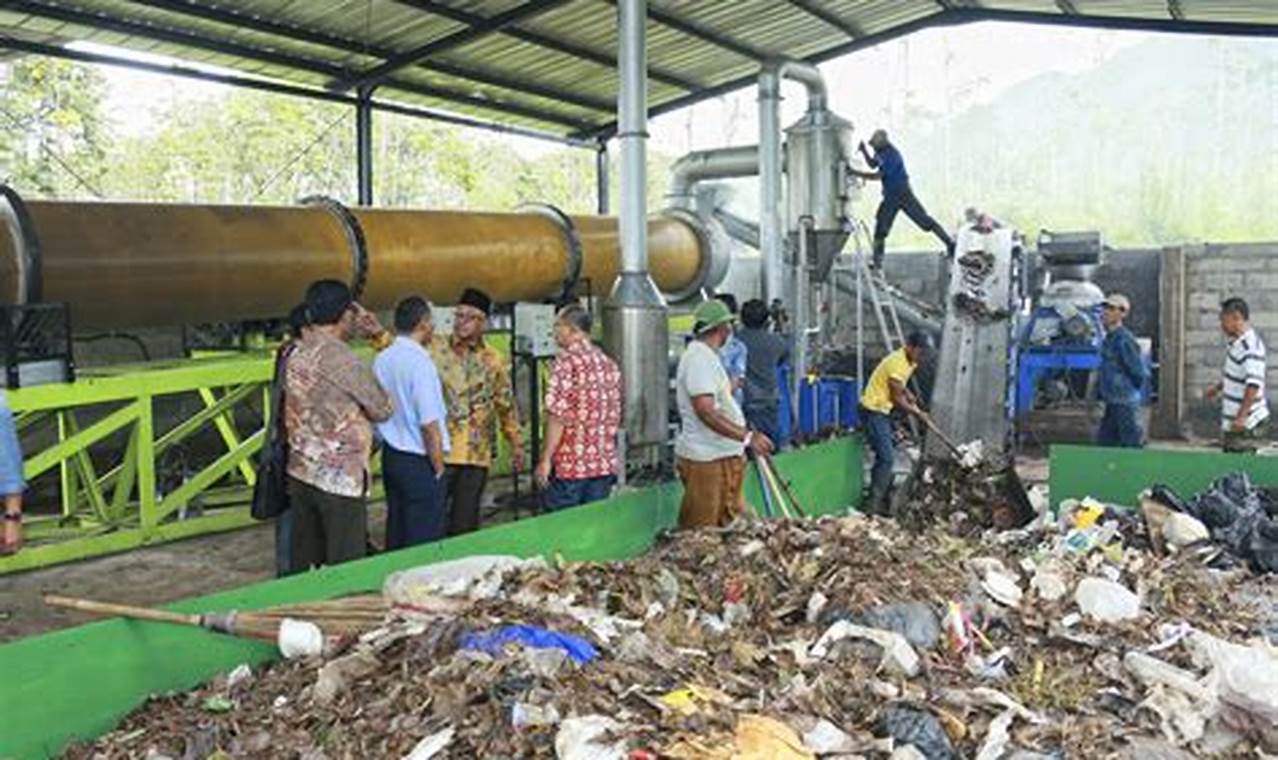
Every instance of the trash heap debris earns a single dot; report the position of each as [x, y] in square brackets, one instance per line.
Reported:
[1239, 517]
[832, 638]
[969, 496]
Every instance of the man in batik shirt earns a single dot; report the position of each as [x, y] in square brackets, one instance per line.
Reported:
[579, 462]
[331, 400]
[478, 394]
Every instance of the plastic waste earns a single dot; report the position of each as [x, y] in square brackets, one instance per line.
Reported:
[916, 621]
[493, 642]
[1087, 513]
[432, 745]
[1002, 588]
[1048, 584]
[997, 738]
[898, 655]
[584, 738]
[690, 700]
[919, 728]
[1238, 516]
[478, 577]
[762, 738]
[1106, 601]
[825, 738]
[1246, 680]
[336, 675]
[523, 715]
[299, 638]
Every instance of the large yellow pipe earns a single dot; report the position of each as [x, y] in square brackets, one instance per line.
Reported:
[124, 265]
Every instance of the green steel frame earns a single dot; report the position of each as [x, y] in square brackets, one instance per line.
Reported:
[122, 506]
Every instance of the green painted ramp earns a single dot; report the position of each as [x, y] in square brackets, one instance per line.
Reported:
[1119, 475]
[79, 682]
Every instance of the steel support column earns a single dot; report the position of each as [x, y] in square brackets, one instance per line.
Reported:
[364, 145]
[602, 178]
[635, 325]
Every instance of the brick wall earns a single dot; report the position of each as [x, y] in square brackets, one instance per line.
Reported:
[1213, 273]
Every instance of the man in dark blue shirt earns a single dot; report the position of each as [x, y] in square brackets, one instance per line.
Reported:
[889, 168]
[1122, 375]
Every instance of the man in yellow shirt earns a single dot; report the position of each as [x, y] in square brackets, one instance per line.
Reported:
[887, 389]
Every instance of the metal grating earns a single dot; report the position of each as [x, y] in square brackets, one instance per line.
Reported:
[543, 65]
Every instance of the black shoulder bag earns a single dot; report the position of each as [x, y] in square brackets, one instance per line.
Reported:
[270, 492]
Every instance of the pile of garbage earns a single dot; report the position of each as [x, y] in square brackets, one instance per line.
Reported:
[967, 496]
[832, 638]
[1235, 516]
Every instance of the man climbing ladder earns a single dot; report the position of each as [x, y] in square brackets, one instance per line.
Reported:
[889, 168]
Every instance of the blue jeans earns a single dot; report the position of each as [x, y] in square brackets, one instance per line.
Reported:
[414, 499]
[763, 417]
[878, 430]
[561, 494]
[10, 455]
[1119, 428]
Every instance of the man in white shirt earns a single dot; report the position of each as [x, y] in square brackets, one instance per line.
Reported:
[710, 449]
[1244, 412]
[415, 438]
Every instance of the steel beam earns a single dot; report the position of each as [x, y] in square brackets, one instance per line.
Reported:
[353, 47]
[298, 63]
[364, 146]
[831, 19]
[378, 74]
[171, 36]
[869, 40]
[550, 43]
[602, 178]
[1130, 23]
[693, 29]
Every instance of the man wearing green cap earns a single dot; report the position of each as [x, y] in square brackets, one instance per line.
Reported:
[710, 449]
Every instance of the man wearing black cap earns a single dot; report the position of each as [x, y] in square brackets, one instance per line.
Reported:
[331, 400]
[476, 386]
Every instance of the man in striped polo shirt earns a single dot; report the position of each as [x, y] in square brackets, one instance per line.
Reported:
[1244, 413]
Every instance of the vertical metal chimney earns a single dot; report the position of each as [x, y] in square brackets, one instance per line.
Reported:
[636, 332]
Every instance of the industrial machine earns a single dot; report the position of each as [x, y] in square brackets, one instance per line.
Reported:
[1060, 339]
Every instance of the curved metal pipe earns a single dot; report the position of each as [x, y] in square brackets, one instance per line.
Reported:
[771, 233]
[701, 165]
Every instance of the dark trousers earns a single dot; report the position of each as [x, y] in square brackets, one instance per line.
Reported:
[895, 203]
[1119, 427]
[764, 418]
[561, 494]
[284, 544]
[878, 431]
[414, 499]
[327, 528]
[465, 491]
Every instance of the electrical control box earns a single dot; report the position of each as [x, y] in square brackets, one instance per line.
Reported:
[535, 329]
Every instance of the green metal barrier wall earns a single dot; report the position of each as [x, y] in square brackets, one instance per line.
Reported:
[79, 682]
[1119, 475]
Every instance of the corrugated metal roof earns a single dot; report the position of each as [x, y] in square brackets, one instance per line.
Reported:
[545, 65]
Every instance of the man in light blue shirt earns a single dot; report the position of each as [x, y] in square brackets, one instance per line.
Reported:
[415, 438]
[734, 354]
[11, 482]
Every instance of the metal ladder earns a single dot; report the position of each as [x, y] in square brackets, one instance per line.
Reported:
[885, 313]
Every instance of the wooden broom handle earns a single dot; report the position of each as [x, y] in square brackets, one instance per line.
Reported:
[121, 610]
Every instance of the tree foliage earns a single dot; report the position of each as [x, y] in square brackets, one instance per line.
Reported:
[55, 137]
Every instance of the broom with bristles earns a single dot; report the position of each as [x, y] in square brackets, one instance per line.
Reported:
[347, 616]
